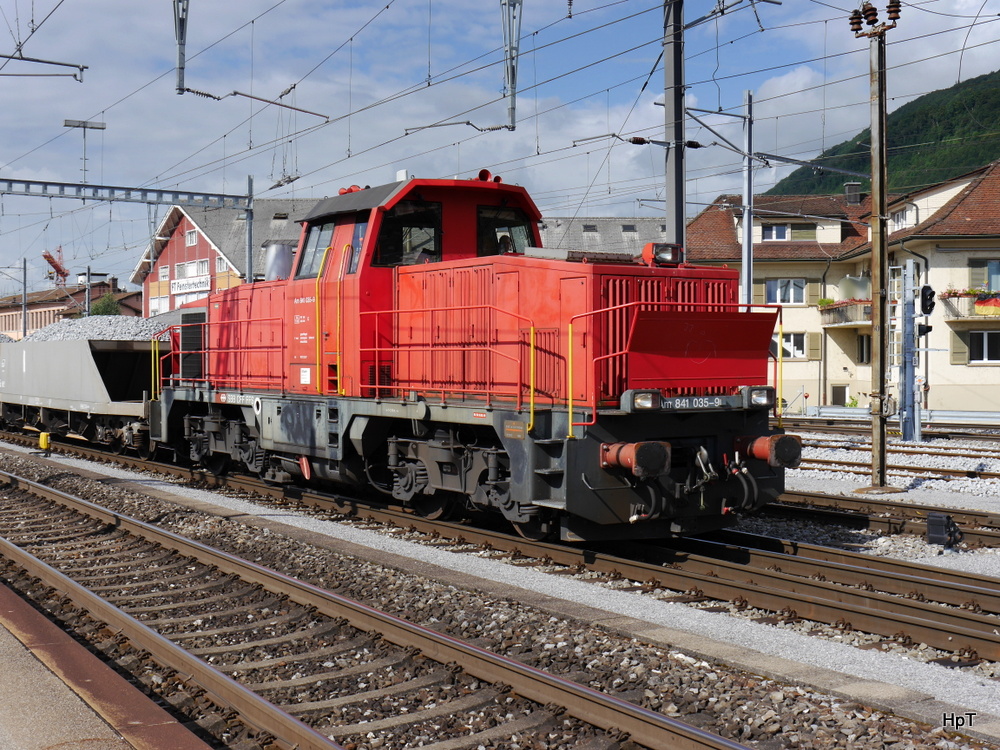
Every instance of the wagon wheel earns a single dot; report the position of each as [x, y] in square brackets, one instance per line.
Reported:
[147, 450]
[437, 507]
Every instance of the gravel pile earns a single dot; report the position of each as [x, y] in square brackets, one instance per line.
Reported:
[100, 328]
[747, 707]
[5, 339]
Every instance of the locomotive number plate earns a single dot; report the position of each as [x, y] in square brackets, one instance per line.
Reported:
[703, 402]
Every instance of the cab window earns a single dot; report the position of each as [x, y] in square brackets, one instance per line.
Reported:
[314, 250]
[357, 241]
[410, 235]
[502, 230]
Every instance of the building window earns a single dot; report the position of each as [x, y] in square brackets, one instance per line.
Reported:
[628, 227]
[159, 305]
[897, 220]
[202, 267]
[864, 349]
[993, 275]
[984, 346]
[180, 271]
[775, 232]
[191, 237]
[793, 346]
[164, 272]
[785, 291]
[590, 227]
[220, 264]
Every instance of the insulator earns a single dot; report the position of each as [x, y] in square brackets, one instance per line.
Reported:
[856, 21]
[870, 13]
[893, 9]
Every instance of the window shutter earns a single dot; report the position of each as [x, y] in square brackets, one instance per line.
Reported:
[758, 293]
[803, 232]
[977, 273]
[812, 291]
[814, 345]
[959, 347]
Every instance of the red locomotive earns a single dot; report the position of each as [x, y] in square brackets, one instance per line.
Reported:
[423, 344]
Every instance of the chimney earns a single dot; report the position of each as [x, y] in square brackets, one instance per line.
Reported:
[852, 192]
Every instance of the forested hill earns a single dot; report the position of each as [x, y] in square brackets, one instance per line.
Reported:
[940, 135]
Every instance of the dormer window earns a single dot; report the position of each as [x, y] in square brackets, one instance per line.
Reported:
[796, 232]
[772, 232]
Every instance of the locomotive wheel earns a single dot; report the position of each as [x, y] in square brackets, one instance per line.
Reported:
[437, 507]
[534, 530]
[216, 463]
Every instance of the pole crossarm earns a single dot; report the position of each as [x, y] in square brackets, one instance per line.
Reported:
[113, 193]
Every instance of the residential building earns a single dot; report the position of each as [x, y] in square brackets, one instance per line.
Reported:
[197, 251]
[952, 232]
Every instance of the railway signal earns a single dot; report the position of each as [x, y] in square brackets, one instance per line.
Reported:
[927, 301]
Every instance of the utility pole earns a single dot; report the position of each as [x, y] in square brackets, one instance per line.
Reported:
[180, 32]
[880, 257]
[673, 107]
[746, 267]
[512, 47]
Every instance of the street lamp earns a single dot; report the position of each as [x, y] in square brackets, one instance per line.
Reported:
[880, 402]
[84, 125]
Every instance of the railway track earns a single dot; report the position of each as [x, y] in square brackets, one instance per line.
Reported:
[264, 660]
[864, 467]
[704, 577]
[943, 431]
[821, 590]
[979, 528]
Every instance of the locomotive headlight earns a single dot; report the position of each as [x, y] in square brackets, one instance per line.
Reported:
[645, 400]
[761, 397]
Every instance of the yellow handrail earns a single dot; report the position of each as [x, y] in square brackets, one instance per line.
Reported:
[531, 381]
[154, 390]
[569, 379]
[319, 321]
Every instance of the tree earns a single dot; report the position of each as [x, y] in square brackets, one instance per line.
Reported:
[106, 305]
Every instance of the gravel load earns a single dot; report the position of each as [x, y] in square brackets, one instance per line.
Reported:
[4, 338]
[100, 328]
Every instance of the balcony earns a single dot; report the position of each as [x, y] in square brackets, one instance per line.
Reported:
[848, 313]
[981, 306]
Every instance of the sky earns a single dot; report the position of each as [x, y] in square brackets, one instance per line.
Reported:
[373, 88]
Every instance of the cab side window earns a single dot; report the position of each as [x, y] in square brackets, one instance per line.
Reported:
[314, 250]
[502, 230]
[410, 235]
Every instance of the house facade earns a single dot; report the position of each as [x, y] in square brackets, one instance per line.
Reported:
[197, 251]
[952, 233]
